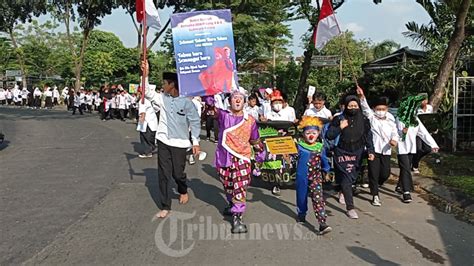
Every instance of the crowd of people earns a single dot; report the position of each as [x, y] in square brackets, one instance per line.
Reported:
[340, 141]
[31, 98]
[337, 142]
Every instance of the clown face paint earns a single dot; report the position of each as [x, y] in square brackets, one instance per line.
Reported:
[310, 135]
[237, 102]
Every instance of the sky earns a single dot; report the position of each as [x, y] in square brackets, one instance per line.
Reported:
[367, 20]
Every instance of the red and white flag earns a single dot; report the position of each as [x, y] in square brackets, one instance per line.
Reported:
[327, 26]
[152, 17]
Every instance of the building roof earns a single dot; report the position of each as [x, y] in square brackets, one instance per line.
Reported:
[394, 59]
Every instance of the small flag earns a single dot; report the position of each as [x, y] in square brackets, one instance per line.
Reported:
[327, 27]
[152, 17]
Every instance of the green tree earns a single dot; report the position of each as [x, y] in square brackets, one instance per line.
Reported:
[6, 54]
[458, 13]
[385, 48]
[87, 14]
[14, 12]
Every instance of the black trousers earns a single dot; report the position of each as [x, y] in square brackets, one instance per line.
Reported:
[405, 180]
[422, 149]
[211, 123]
[346, 166]
[37, 102]
[48, 102]
[379, 172]
[3, 102]
[121, 113]
[148, 140]
[171, 164]
[74, 108]
[23, 102]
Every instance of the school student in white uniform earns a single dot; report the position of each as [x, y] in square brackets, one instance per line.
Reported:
[24, 96]
[16, 95]
[385, 136]
[406, 150]
[9, 96]
[121, 104]
[317, 107]
[422, 149]
[37, 98]
[3, 96]
[77, 103]
[147, 126]
[88, 98]
[55, 96]
[252, 107]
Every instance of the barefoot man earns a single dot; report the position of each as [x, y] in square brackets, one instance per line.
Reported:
[178, 116]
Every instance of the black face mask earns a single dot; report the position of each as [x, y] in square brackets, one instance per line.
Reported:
[351, 112]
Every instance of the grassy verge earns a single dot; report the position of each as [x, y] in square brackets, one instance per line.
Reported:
[453, 170]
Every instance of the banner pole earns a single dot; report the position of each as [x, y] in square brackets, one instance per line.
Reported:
[144, 53]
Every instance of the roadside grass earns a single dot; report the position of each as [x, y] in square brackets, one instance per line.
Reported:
[452, 170]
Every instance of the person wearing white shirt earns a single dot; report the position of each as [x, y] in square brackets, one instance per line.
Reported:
[37, 98]
[65, 95]
[407, 148]
[317, 107]
[55, 96]
[265, 107]
[48, 93]
[16, 95]
[147, 125]
[422, 149]
[3, 96]
[133, 106]
[77, 103]
[9, 96]
[178, 116]
[252, 108]
[384, 136]
[97, 100]
[88, 99]
[277, 113]
[290, 111]
[24, 96]
[113, 106]
[121, 103]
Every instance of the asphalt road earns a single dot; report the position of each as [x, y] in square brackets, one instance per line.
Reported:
[73, 191]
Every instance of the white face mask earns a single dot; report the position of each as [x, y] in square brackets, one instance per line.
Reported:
[381, 114]
[277, 107]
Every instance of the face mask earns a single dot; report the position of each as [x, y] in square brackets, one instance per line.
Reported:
[351, 112]
[380, 114]
[277, 107]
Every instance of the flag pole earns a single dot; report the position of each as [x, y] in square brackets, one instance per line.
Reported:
[144, 52]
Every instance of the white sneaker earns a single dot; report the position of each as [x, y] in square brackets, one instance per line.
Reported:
[341, 199]
[365, 185]
[143, 156]
[416, 171]
[191, 160]
[376, 201]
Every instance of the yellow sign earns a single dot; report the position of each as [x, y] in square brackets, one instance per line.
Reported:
[281, 145]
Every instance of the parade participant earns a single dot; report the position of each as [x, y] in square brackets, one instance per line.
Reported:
[178, 116]
[82, 98]
[3, 96]
[384, 136]
[147, 126]
[311, 168]
[77, 103]
[9, 96]
[37, 94]
[16, 95]
[317, 107]
[238, 132]
[353, 130]
[65, 96]
[422, 149]
[252, 107]
[288, 110]
[121, 104]
[97, 102]
[133, 106]
[55, 96]
[277, 113]
[48, 93]
[24, 96]
[209, 117]
[409, 127]
[265, 106]
[89, 99]
[112, 105]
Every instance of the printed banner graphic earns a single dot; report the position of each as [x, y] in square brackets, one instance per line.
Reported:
[204, 52]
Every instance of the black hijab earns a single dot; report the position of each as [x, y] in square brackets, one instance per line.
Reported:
[356, 128]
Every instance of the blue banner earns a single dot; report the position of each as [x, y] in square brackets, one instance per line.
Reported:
[204, 52]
